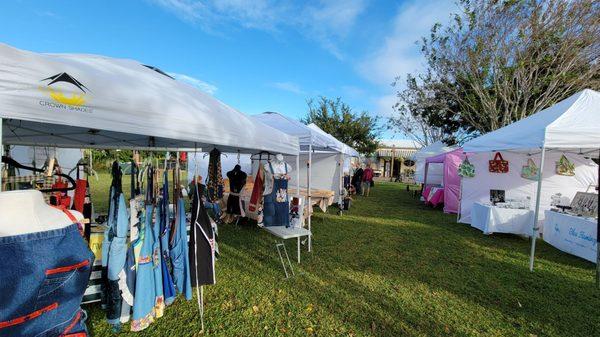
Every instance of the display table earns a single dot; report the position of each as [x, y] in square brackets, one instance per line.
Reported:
[572, 234]
[491, 219]
[285, 233]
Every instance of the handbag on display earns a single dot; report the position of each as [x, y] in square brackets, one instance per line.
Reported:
[498, 164]
[466, 169]
[564, 167]
[530, 171]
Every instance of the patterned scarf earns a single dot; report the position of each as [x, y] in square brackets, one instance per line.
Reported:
[214, 182]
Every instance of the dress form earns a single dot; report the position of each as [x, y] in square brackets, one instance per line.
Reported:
[279, 166]
[26, 212]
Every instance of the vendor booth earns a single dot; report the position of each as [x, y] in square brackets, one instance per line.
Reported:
[544, 158]
[449, 192]
[90, 101]
[435, 172]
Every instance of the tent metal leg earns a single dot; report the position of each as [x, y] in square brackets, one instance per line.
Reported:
[309, 172]
[281, 246]
[537, 209]
[1, 154]
[598, 231]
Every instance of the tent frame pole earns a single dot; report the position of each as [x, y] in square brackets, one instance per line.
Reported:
[298, 177]
[1, 154]
[537, 208]
[341, 182]
[308, 194]
[598, 230]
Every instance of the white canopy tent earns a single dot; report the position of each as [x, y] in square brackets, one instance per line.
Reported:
[90, 101]
[77, 100]
[342, 159]
[435, 172]
[571, 126]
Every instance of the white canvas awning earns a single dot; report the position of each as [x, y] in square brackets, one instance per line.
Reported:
[91, 101]
[306, 136]
[569, 125]
[338, 145]
[434, 173]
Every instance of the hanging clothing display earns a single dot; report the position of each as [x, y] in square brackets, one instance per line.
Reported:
[145, 292]
[257, 190]
[215, 179]
[179, 253]
[202, 243]
[237, 181]
[164, 217]
[50, 303]
[276, 210]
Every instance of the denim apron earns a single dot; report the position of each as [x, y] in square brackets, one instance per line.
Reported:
[159, 304]
[165, 230]
[179, 254]
[44, 276]
[276, 210]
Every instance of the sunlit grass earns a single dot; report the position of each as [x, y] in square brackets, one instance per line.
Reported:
[388, 267]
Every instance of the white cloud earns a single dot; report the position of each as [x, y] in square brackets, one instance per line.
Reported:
[399, 53]
[289, 87]
[324, 21]
[203, 86]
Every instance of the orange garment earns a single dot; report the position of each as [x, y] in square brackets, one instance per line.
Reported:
[257, 190]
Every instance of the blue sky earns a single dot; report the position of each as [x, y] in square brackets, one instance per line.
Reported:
[255, 55]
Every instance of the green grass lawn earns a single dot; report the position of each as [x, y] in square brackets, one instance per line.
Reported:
[389, 267]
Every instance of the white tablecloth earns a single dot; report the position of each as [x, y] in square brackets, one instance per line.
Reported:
[572, 234]
[491, 219]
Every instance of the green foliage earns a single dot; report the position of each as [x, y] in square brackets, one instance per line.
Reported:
[498, 62]
[358, 130]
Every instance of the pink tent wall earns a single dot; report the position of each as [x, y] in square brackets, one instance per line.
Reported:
[451, 161]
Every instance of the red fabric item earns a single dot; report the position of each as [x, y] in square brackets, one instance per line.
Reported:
[67, 268]
[368, 174]
[257, 190]
[62, 199]
[79, 196]
[28, 317]
[183, 156]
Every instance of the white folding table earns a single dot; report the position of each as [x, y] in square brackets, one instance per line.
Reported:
[285, 233]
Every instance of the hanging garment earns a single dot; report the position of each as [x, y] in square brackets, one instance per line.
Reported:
[276, 210]
[237, 181]
[116, 237]
[44, 276]
[145, 292]
[257, 190]
[157, 267]
[179, 254]
[127, 285]
[201, 244]
[165, 230]
[79, 195]
[215, 179]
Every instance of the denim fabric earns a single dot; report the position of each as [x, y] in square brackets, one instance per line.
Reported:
[157, 267]
[43, 279]
[165, 229]
[179, 254]
[277, 212]
[117, 255]
[145, 294]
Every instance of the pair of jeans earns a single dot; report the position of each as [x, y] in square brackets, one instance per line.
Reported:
[44, 276]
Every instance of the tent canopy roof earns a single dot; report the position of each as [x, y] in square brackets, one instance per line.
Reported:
[432, 150]
[440, 158]
[572, 124]
[338, 145]
[306, 135]
[77, 100]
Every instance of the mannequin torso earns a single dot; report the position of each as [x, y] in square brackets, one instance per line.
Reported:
[26, 212]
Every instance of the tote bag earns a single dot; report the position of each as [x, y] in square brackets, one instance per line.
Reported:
[530, 171]
[564, 167]
[498, 164]
[466, 169]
